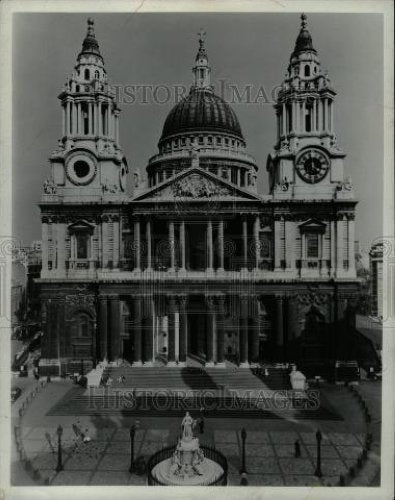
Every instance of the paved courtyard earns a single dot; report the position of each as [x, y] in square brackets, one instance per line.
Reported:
[269, 454]
[270, 443]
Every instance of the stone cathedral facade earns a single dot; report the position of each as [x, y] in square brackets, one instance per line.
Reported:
[196, 263]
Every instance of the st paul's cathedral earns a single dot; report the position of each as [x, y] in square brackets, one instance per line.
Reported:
[195, 265]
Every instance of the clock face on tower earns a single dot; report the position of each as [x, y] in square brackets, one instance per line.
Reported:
[312, 165]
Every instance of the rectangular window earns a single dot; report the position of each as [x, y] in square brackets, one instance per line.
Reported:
[312, 246]
[82, 245]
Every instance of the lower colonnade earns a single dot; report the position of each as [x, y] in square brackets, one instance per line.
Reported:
[145, 328]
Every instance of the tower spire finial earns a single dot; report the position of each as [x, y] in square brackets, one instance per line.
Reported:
[201, 34]
[90, 44]
[303, 17]
[91, 23]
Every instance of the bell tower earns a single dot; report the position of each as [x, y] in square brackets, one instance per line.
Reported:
[88, 162]
[306, 162]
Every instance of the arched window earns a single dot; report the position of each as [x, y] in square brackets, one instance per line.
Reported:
[87, 74]
[77, 88]
[307, 71]
[97, 75]
[308, 117]
[84, 330]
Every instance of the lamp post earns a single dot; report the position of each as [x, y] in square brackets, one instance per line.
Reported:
[318, 437]
[59, 432]
[132, 433]
[243, 451]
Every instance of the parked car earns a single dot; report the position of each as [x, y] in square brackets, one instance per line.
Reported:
[15, 393]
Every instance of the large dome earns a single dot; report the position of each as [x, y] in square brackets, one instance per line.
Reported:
[201, 110]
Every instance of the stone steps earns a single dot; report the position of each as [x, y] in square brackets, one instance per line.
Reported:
[195, 378]
[82, 403]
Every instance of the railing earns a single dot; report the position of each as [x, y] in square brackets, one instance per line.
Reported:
[209, 452]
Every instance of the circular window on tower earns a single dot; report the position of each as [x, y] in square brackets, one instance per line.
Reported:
[81, 169]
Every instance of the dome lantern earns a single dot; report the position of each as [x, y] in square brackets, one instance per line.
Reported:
[202, 68]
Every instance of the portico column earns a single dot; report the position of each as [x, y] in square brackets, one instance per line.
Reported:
[137, 249]
[326, 120]
[67, 118]
[245, 244]
[115, 334]
[94, 124]
[182, 243]
[244, 331]
[293, 121]
[351, 249]
[277, 242]
[137, 332]
[210, 318]
[61, 246]
[314, 122]
[332, 127]
[220, 332]
[291, 319]
[172, 246]
[115, 249]
[79, 118]
[109, 132]
[148, 331]
[257, 243]
[254, 333]
[171, 358]
[63, 120]
[149, 245]
[74, 119]
[103, 327]
[339, 244]
[221, 245]
[297, 118]
[99, 119]
[183, 331]
[210, 246]
[280, 324]
[44, 236]
[90, 118]
[319, 115]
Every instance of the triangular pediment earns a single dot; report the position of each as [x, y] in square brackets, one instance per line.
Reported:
[195, 184]
[312, 225]
[80, 225]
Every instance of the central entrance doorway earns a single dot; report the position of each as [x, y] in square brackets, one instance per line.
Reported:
[197, 328]
[196, 247]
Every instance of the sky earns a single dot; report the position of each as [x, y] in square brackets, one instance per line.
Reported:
[159, 49]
